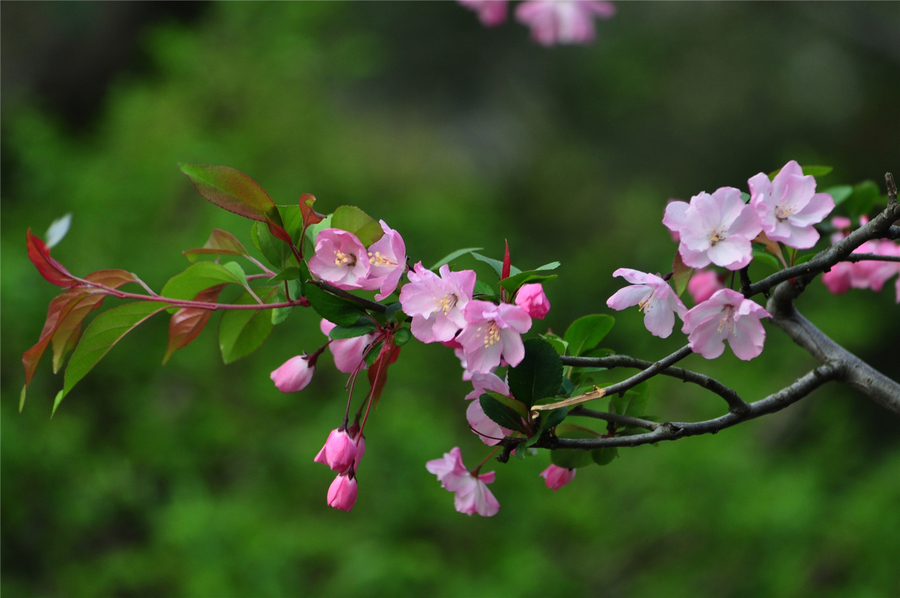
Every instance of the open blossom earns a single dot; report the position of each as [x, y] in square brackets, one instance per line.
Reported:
[490, 12]
[341, 259]
[493, 332]
[387, 263]
[703, 284]
[436, 303]
[788, 206]
[342, 492]
[563, 21]
[472, 494]
[556, 477]
[532, 299]
[715, 228]
[726, 315]
[339, 452]
[348, 352]
[294, 374]
[655, 298]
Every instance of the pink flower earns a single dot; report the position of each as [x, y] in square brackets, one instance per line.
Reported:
[342, 492]
[788, 206]
[489, 431]
[726, 315]
[491, 12]
[867, 274]
[556, 477]
[339, 452]
[387, 261]
[340, 259]
[472, 494]
[532, 299]
[493, 332]
[348, 352]
[715, 228]
[655, 298]
[838, 279]
[436, 304]
[703, 284]
[294, 374]
[563, 21]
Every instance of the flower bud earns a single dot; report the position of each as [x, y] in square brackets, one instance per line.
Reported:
[339, 452]
[342, 492]
[294, 374]
[532, 299]
[556, 477]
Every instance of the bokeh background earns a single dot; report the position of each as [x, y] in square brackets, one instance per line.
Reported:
[196, 479]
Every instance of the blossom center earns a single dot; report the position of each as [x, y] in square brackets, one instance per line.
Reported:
[445, 304]
[716, 235]
[379, 260]
[782, 212]
[726, 323]
[490, 333]
[344, 259]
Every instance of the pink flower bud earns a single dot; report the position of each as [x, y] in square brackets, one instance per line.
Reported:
[556, 477]
[339, 452]
[532, 299]
[294, 374]
[703, 284]
[342, 492]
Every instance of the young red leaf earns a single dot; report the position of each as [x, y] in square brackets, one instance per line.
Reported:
[378, 372]
[310, 216]
[49, 268]
[220, 242]
[506, 262]
[187, 323]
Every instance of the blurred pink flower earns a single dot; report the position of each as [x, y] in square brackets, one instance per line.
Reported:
[715, 228]
[726, 315]
[340, 259]
[655, 298]
[387, 263]
[532, 299]
[339, 452]
[436, 303]
[563, 21]
[342, 492]
[294, 374]
[556, 477]
[490, 12]
[472, 494]
[493, 332]
[703, 284]
[347, 352]
[788, 206]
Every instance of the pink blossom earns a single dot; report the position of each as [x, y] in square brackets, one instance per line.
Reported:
[490, 12]
[655, 298]
[472, 494]
[866, 274]
[726, 315]
[563, 21]
[556, 477]
[436, 304]
[715, 228]
[703, 284]
[788, 206]
[838, 279]
[493, 332]
[387, 262]
[532, 299]
[339, 452]
[340, 259]
[342, 492]
[294, 374]
[489, 431]
[348, 352]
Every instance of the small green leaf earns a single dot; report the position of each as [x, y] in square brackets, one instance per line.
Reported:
[198, 277]
[586, 333]
[361, 328]
[242, 331]
[334, 309]
[483, 288]
[839, 193]
[504, 411]
[604, 455]
[538, 375]
[497, 265]
[220, 242]
[292, 273]
[402, 336]
[556, 342]
[681, 274]
[817, 170]
[452, 256]
[273, 249]
[513, 283]
[280, 314]
[354, 220]
[767, 258]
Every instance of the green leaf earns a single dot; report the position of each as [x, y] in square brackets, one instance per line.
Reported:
[354, 220]
[763, 256]
[105, 331]
[483, 288]
[865, 196]
[242, 331]
[198, 277]
[586, 333]
[292, 273]
[220, 242]
[604, 455]
[363, 327]
[538, 375]
[292, 217]
[273, 249]
[452, 256]
[334, 309]
[513, 283]
[402, 336]
[572, 458]
[633, 402]
[556, 342]
[497, 265]
[504, 411]
[681, 274]
[839, 193]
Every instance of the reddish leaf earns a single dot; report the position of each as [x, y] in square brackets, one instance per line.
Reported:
[187, 323]
[506, 262]
[49, 268]
[310, 216]
[378, 372]
[220, 242]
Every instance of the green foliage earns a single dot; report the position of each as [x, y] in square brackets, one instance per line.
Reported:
[538, 375]
[242, 331]
[586, 332]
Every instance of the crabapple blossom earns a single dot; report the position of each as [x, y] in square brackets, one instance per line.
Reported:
[556, 477]
[655, 298]
[294, 374]
[472, 494]
[387, 261]
[493, 332]
[703, 284]
[563, 21]
[490, 12]
[715, 228]
[726, 315]
[788, 206]
[339, 452]
[348, 352]
[342, 492]
[341, 259]
[532, 299]
[436, 303]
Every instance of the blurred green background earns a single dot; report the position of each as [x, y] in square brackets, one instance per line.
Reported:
[197, 479]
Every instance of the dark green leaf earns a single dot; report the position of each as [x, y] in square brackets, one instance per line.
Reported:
[483, 288]
[538, 375]
[586, 333]
[458, 253]
[604, 455]
[503, 411]
[556, 342]
[513, 283]
[242, 331]
[334, 309]
[341, 332]
[402, 336]
[273, 249]
[497, 265]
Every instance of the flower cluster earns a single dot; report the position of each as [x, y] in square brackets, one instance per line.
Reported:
[551, 21]
[868, 274]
